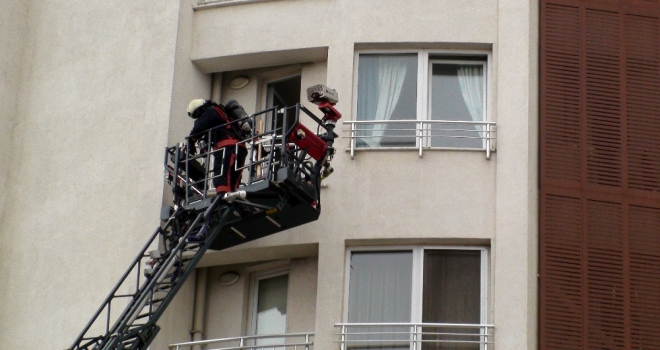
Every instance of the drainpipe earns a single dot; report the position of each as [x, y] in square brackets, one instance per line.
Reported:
[216, 87]
[200, 305]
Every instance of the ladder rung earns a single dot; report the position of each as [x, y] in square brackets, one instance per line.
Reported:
[163, 285]
[144, 315]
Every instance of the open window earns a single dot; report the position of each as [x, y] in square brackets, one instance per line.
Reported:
[281, 92]
[268, 307]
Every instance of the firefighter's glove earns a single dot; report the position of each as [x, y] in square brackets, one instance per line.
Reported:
[192, 150]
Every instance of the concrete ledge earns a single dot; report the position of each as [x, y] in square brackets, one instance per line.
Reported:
[239, 255]
[261, 59]
[221, 3]
[423, 46]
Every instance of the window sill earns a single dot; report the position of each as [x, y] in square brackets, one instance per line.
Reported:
[222, 3]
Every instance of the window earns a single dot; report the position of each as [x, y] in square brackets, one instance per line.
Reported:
[418, 285]
[268, 307]
[443, 94]
[282, 91]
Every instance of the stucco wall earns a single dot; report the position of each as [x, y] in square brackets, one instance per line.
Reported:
[13, 20]
[99, 83]
[228, 306]
[86, 180]
[444, 198]
[280, 25]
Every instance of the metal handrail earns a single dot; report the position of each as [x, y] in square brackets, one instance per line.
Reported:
[416, 334]
[307, 343]
[424, 132]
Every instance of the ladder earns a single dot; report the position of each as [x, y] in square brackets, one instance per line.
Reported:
[159, 275]
[282, 191]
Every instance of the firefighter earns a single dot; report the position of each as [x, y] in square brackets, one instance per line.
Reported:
[227, 156]
[229, 153]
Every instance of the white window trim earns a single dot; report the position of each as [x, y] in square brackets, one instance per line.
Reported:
[273, 76]
[254, 294]
[427, 113]
[418, 276]
[423, 87]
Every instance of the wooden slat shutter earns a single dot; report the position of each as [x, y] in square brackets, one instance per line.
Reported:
[561, 259]
[600, 174]
[561, 148]
[643, 102]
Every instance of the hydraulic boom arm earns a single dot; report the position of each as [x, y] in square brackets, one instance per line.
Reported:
[286, 163]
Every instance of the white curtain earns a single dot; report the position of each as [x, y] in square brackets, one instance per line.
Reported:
[470, 79]
[472, 87]
[380, 291]
[390, 73]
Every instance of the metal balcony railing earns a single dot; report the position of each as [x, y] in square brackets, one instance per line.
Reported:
[421, 135]
[287, 341]
[415, 336]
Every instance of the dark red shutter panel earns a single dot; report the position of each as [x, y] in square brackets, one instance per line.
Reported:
[561, 93]
[600, 174]
[604, 275]
[643, 104]
[603, 100]
[644, 277]
[561, 311]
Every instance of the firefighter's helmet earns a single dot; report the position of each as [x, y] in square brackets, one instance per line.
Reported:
[194, 105]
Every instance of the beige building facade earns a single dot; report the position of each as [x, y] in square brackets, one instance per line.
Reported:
[95, 92]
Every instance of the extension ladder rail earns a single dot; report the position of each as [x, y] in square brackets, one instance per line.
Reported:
[84, 340]
[136, 327]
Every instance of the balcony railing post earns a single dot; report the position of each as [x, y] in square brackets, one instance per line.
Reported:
[485, 337]
[414, 337]
[353, 140]
[422, 131]
[343, 337]
[487, 141]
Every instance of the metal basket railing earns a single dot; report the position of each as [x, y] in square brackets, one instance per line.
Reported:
[193, 172]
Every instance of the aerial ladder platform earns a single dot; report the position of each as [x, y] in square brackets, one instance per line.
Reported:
[285, 165]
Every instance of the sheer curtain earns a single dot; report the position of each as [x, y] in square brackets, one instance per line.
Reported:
[470, 78]
[451, 294]
[380, 291]
[379, 93]
[271, 309]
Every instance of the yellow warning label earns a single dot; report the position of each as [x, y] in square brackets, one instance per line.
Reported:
[272, 211]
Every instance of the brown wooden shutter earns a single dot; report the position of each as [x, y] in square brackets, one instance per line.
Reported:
[604, 274]
[600, 174]
[561, 148]
[561, 260]
[644, 277]
[603, 97]
[643, 103]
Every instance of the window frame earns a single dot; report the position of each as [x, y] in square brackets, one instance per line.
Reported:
[428, 116]
[273, 76]
[418, 276]
[424, 61]
[254, 295]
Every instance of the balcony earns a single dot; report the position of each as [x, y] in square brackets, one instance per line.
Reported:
[415, 336]
[421, 135]
[288, 341]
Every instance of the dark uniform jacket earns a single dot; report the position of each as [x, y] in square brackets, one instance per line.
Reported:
[213, 117]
